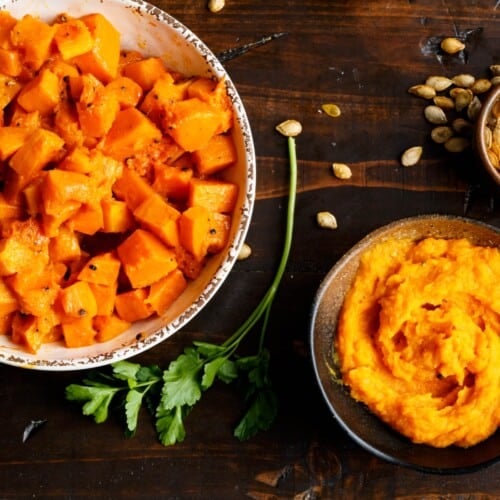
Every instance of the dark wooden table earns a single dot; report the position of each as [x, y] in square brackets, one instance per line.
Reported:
[363, 56]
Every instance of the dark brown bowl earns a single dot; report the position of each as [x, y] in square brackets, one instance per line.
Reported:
[362, 425]
[479, 136]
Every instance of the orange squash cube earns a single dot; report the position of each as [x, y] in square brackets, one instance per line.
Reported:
[145, 258]
[108, 327]
[40, 94]
[77, 300]
[73, 38]
[165, 291]
[102, 60]
[132, 306]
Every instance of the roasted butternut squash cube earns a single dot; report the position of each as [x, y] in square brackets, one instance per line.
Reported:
[102, 60]
[132, 306]
[172, 181]
[40, 94]
[40, 148]
[34, 38]
[131, 132]
[165, 291]
[11, 139]
[65, 246]
[10, 62]
[132, 188]
[105, 296]
[214, 195]
[108, 327]
[117, 217]
[194, 225]
[127, 92]
[145, 259]
[159, 217]
[191, 123]
[217, 155]
[78, 332]
[101, 269]
[77, 300]
[73, 38]
[145, 72]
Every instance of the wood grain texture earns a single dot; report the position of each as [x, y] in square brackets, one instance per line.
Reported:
[361, 55]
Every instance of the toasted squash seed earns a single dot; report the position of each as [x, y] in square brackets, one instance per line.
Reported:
[289, 128]
[452, 45]
[481, 86]
[216, 5]
[464, 80]
[438, 83]
[331, 110]
[245, 252]
[456, 144]
[444, 102]
[441, 134]
[463, 99]
[341, 171]
[423, 91]
[326, 220]
[411, 156]
[435, 115]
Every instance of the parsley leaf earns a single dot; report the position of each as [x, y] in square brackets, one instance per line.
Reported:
[259, 416]
[181, 384]
[170, 425]
[96, 399]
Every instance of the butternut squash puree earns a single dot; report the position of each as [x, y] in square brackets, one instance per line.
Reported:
[418, 339]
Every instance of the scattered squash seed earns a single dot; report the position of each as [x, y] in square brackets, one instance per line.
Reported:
[444, 102]
[216, 5]
[341, 171]
[331, 110]
[411, 156]
[464, 80]
[456, 144]
[289, 128]
[435, 115]
[422, 90]
[326, 220]
[452, 45]
[245, 252]
[438, 83]
[441, 134]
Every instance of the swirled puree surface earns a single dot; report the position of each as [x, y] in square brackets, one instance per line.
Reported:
[418, 339]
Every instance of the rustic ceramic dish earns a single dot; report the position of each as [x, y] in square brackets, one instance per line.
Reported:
[363, 426]
[485, 117]
[146, 28]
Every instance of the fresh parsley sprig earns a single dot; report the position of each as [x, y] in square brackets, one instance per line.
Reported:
[170, 394]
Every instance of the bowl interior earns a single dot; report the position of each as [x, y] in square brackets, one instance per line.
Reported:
[151, 31]
[480, 136]
[363, 426]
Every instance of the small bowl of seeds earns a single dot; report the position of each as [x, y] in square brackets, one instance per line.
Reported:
[487, 137]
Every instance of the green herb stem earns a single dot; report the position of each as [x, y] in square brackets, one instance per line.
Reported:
[264, 306]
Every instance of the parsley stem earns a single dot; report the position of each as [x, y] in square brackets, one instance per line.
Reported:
[264, 306]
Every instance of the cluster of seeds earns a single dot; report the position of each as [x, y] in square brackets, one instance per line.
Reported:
[453, 106]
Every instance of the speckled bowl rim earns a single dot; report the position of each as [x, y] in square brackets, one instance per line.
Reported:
[355, 419]
[136, 343]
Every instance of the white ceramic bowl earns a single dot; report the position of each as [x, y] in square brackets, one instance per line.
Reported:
[146, 28]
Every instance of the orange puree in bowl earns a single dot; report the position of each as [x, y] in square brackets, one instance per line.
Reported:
[418, 339]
